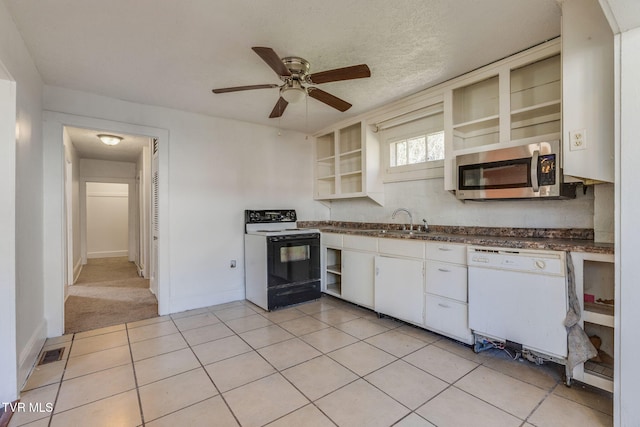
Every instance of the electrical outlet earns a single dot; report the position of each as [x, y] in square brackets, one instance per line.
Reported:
[578, 140]
[232, 264]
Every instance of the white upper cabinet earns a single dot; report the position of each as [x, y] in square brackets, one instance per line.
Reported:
[587, 91]
[535, 94]
[347, 162]
[514, 101]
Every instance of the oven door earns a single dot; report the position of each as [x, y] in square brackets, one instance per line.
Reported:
[293, 259]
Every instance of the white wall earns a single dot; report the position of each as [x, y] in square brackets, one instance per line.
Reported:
[107, 220]
[91, 169]
[628, 230]
[21, 164]
[427, 199]
[8, 353]
[217, 168]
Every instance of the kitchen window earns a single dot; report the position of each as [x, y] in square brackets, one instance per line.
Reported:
[417, 149]
[413, 145]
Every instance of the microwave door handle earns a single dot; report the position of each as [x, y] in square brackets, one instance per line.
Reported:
[534, 171]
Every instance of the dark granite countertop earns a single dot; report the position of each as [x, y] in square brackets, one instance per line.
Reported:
[558, 239]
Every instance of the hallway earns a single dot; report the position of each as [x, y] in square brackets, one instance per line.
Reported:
[108, 292]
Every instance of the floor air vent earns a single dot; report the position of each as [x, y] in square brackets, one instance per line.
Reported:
[51, 356]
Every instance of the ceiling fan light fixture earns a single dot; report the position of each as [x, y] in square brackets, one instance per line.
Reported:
[110, 139]
[293, 93]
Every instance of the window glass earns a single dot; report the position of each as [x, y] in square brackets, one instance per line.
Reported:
[417, 149]
[414, 149]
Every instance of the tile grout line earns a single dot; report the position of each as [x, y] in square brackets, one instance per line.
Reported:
[311, 315]
[205, 371]
[135, 377]
[325, 354]
[64, 370]
[311, 402]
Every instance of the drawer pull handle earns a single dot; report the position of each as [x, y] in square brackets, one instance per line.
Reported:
[443, 305]
[444, 249]
[444, 270]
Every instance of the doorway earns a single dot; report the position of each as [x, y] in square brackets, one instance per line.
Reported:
[54, 125]
[108, 188]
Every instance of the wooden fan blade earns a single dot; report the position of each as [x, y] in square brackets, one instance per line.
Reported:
[279, 108]
[327, 98]
[346, 73]
[272, 59]
[239, 88]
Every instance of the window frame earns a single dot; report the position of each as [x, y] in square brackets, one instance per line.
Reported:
[416, 171]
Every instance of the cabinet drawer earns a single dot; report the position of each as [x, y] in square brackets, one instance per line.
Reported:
[401, 247]
[447, 252]
[332, 239]
[369, 244]
[447, 280]
[448, 317]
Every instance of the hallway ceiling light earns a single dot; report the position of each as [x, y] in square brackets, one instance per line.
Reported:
[110, 139]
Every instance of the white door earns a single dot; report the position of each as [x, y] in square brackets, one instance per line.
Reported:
[153, 278]
[358, 277]
[399, 288]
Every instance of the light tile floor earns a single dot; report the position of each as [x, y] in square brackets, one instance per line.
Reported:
[323, 363]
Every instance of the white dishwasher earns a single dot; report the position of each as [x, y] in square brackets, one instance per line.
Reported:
[519, 296]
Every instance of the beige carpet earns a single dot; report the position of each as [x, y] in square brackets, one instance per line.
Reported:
[108, 292]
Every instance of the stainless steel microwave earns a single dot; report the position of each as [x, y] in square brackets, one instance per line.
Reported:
[524, 172]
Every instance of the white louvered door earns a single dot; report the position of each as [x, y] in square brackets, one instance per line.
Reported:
[154, 216]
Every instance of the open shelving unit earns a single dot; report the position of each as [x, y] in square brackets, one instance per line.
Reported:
[347, 164]
[535, 100]
[513, 102]
[476, 111]
[333, 271]
[595, 286]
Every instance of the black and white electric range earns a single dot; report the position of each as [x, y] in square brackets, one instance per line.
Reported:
[282, 262]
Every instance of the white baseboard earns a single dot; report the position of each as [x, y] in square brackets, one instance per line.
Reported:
[77, 269]
[29, 354]
[182, 304]
[140, 270]
[107, 254]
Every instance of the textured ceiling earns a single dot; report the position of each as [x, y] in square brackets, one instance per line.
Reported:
[88, 146]
[172, 53]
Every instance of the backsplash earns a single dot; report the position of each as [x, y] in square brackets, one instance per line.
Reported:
[427, 199]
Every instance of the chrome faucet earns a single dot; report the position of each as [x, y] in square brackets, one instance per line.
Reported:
[407, 212]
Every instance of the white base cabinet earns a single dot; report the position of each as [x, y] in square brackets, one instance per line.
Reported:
[399, 288]
[348, 267]
[448, 317]
[446, 293]
[423, 283]
[357, 277]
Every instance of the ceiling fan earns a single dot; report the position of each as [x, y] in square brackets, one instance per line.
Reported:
[294, 72]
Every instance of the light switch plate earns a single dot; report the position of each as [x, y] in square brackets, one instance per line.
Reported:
[578, 139]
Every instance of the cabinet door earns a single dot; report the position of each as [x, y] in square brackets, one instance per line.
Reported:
[399, 288]
[357, 277]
